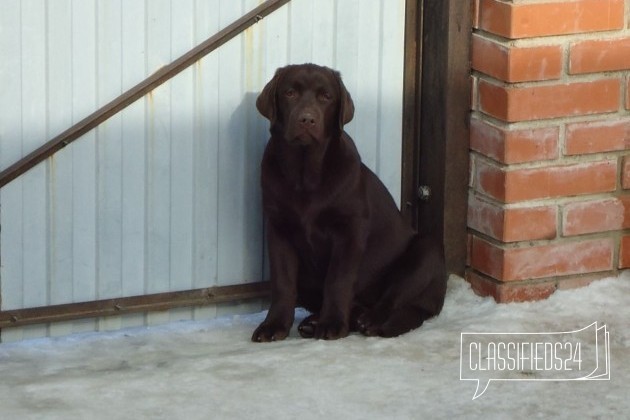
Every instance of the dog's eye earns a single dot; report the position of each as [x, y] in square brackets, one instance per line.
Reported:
[325, 96]
[290, 93]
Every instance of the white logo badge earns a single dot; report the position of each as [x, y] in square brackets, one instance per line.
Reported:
[551, 356]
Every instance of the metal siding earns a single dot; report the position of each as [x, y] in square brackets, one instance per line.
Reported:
[11, 220]
[83, 174]
[389, 143]
[182, 137]
[164, 196]
[206, 156]
[59, 55]
[34, 184]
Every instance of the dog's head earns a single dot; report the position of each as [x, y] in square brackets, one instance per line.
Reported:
[306, 104]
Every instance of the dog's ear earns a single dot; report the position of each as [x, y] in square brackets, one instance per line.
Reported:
[266, 101]
[346, 106]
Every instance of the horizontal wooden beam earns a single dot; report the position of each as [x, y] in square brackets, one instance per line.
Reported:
[134, 304]
[141, 89]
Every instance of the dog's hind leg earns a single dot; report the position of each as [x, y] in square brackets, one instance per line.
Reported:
[417, 285]
[402, 320]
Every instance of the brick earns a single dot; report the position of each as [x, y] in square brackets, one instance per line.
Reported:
[535, 63]
[489, 180]
[530, 223]
[489, 57]
[516, 64]
[495, 17]
[557, 259]
[575, 282]
[514, 146]
[597, 56]
[628, 93]
[514, 104]
[511, 186]
[512, 224]
[510, 292]
[561, 259]
[625, 173]
[624, 252]
[596, 216]
[561, 181]
[487, 258]
[597, 136]
[524, 291]
[485, 217]
[524, 20]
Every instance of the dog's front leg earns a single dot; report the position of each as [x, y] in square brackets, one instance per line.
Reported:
[347, 252]
[284, 269]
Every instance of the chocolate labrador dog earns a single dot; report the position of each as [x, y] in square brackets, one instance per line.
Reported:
[338, 245]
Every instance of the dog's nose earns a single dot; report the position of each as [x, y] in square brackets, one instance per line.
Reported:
[307, 118]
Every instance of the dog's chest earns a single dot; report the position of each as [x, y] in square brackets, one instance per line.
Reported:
[310, 230]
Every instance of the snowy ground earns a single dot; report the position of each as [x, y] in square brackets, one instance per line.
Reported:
[210, 370]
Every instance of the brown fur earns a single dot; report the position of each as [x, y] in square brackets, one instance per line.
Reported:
[338, 244]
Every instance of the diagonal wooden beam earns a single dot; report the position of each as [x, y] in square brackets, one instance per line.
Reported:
[141, 89]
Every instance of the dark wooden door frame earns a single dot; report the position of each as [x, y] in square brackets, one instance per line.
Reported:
[435, 153]
[436, 121]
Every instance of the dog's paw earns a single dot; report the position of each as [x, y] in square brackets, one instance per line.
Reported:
[308, 326]
[331, 330]
[370, 323]
[312, 327]
[269, 332]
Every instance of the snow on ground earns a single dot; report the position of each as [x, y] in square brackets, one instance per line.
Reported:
[210, 369]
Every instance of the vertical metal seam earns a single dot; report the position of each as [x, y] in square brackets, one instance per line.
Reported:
[146, 244]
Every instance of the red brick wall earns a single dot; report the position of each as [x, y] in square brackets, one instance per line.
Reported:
[549, 203]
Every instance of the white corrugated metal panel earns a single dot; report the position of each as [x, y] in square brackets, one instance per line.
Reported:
[164, 196]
